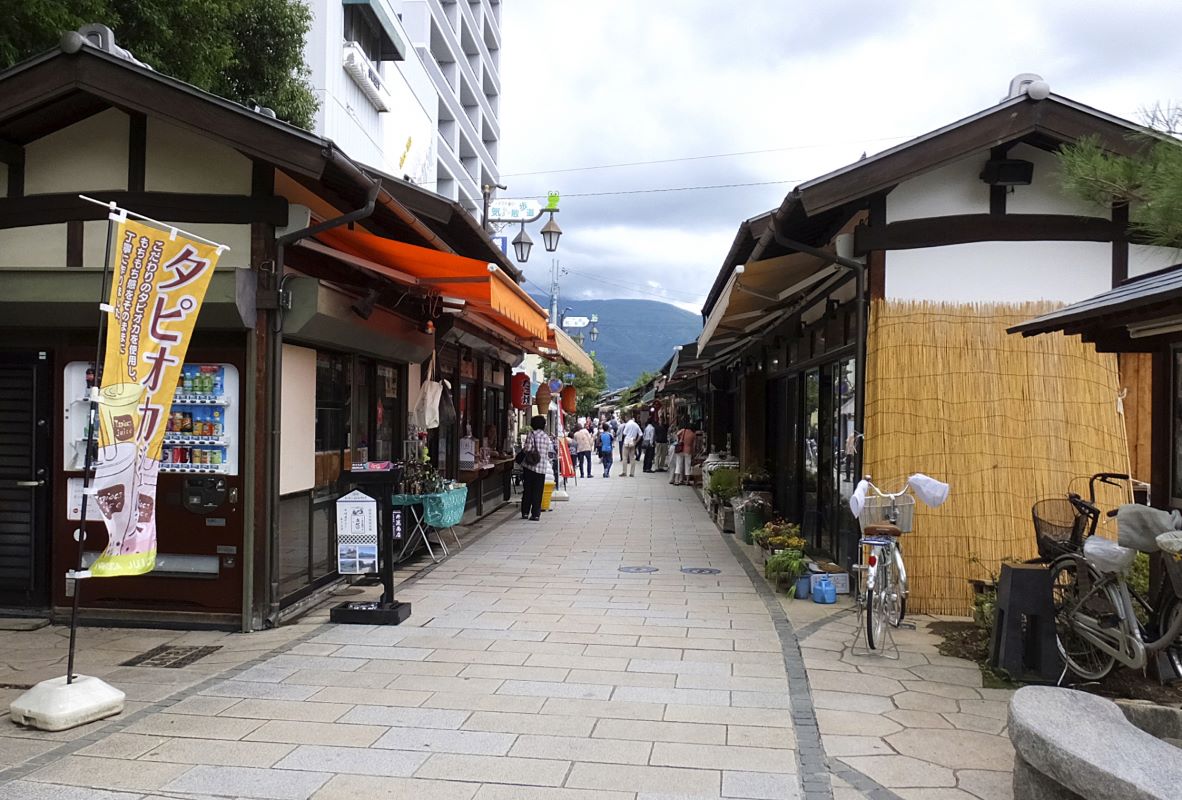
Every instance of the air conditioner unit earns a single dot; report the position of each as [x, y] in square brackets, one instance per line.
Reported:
[365, 74]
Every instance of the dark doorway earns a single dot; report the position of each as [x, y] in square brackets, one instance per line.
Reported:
[24, 479]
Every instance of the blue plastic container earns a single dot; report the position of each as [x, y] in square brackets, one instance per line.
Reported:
[824, 591]
[802, 587]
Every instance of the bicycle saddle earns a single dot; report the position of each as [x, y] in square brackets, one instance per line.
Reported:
[881, 530]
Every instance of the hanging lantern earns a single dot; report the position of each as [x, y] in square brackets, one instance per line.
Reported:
[520, 391]
[542, 399]
[569, 399]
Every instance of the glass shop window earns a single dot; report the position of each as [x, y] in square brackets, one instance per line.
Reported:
[334, 388]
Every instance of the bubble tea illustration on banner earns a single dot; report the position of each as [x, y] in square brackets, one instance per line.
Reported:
[158, 285]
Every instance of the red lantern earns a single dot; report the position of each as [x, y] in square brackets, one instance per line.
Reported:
[569, 399]
[520, 391]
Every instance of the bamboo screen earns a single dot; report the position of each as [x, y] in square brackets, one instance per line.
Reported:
[1004, 419]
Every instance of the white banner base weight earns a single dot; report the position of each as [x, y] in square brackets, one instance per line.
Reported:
[54, 705]
[559, 495]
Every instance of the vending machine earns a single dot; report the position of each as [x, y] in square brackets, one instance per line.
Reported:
[199, 497]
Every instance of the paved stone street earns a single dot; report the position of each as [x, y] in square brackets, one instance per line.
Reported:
[536, 665]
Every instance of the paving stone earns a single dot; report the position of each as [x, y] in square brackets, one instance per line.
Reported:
[957, 749]
[260, 691]
[920, 719]
[955, 691]
[971, 722]
[665, 780]
[249, 782]
[287, 709]
[435, 740]
[493, 792]
[107, 773]
[697, 697]
[611, 709]
[541, 724]
[581, 691]
[407, 717]
[837, 745]
[919, 701]
[753, 759]
[759, 785]
[116, 745]
[198, 727]
[352, 735]
[30, 790]
[485, 702]
[647, 731]
[497, 769]
[961, 677]
[986, 784]
[569, 748]
[901, 771]
[853, 723]
[215, 753]
[851, 701]
[748, 736]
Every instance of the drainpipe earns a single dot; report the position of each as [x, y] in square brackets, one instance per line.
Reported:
[843, 258]
[274, 367]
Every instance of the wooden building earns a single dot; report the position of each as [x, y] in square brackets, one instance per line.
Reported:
[860, 328]
[339, 286]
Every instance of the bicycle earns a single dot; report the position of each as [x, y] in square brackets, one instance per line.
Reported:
[1059, 527]
[884, 517]
[1096, 623]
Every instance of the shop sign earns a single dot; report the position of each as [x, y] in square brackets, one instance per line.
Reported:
[158, 284]
[520, 390]
[575, 322]
[357, 534]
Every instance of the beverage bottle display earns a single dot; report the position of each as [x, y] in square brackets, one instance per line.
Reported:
[217, 422]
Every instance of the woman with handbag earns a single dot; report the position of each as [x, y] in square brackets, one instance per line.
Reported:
[683, 455]
[535, 460]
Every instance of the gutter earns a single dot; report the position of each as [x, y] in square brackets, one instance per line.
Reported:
[274, 366]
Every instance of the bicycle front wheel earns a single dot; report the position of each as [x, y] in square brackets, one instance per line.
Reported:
[876, 608]
[1082, 656]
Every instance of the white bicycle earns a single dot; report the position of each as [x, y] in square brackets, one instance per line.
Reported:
[884, 517]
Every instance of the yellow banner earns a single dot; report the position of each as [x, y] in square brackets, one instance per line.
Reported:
[159, 283]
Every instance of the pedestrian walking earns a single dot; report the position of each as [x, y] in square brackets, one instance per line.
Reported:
[648, 443]
[605, 449]
[630, 434]
[661, 442]
[683, 455]
[537, 453]
[584, 444]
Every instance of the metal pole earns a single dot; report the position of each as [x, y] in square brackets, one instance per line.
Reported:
[88, 461]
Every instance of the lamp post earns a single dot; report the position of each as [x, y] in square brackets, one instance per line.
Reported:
[525, 212]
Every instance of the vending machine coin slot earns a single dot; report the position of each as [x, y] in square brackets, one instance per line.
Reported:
[203, 494]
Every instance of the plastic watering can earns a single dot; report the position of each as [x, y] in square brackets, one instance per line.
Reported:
[824, 591]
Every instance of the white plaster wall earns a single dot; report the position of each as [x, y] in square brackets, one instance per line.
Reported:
[181, 161]
[236, 237]
[90, 155]
[297, 423]
[1045, 193]
[94, 243]
[36, 246]
[1143, 259]
[1000, 272]
[955, 188]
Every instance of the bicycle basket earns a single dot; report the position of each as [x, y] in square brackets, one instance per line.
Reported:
[1058, 527]
[897, 511]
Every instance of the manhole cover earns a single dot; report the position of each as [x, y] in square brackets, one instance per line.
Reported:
[700, 570]
[638, 569]
[170, 657]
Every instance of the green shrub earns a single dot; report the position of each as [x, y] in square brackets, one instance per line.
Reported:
[790, 563]
[723, 484]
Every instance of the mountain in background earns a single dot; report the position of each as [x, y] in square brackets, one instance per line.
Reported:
[635, 336]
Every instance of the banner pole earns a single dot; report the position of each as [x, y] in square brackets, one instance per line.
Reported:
[92, 419]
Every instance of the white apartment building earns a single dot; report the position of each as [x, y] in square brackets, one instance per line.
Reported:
[411, 87]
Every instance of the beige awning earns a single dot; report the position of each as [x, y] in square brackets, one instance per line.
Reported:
[756, 290]
[570, 351]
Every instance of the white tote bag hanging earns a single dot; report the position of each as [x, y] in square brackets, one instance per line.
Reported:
[426, 413]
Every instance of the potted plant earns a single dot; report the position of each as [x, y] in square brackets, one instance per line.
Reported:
[756, 478]
[722, 486]
[784, 568]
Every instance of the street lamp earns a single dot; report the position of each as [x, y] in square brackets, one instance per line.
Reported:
[524, 211]
[594, 327]
[522, 244]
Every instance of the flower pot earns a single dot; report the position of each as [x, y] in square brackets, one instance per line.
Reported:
[726, 519]
[785, 583]
[802, 587]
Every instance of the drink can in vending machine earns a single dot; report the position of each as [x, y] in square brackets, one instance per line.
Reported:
[215, 456]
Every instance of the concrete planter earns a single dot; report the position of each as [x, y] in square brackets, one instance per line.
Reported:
[726, 519]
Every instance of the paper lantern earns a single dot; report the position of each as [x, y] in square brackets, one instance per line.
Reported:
[520, 391]
[569, 399]
[542, 399]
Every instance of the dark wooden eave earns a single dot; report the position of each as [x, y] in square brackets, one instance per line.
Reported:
[1044, 123]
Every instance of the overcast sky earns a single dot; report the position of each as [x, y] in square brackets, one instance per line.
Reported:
[591, 83]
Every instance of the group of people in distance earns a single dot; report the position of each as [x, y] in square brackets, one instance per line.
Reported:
[658, 447]
[670, 447]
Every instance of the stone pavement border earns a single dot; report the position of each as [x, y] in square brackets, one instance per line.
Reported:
[813, 766]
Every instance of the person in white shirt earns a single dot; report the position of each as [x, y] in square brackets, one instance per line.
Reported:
[584, 444]
[630, 435]
[650, 433]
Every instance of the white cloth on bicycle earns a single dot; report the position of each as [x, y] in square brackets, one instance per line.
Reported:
[931, 491]
[1107, 555]
[858, 498]
[1138, 526]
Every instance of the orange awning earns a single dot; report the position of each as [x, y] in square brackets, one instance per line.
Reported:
[486, 289]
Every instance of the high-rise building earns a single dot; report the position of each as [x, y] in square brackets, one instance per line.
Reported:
[411, 87]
